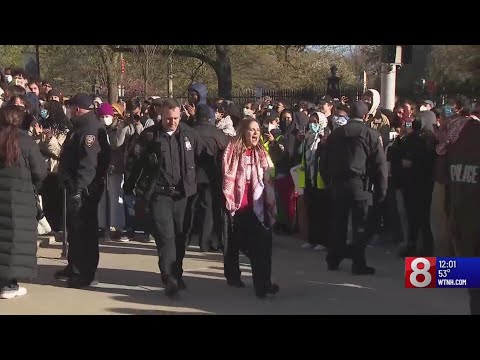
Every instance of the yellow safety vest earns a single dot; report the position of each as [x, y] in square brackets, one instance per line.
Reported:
[302, 176]
[266, 146]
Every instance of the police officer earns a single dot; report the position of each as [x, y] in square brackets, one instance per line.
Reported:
[83, 165]
[207, 206]
[165, 176]
[462, 150]
[354, 153]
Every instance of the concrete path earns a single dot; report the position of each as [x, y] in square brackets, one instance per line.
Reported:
[130, 284]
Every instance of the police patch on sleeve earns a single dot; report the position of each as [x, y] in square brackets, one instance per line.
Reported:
[188, 145]
[89, 140]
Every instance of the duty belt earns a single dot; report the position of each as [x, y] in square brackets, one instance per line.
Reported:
[166, 190]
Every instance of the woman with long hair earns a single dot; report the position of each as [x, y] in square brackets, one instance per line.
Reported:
[55, 126]
[21, 169]
[287, 196]
[313, 221]
[250, 201]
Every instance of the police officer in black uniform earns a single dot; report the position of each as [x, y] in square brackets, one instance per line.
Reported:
[354, 156]
[165, 176]
[83, 165]
[207, 206]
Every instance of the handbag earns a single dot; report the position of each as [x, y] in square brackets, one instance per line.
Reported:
[38, 202]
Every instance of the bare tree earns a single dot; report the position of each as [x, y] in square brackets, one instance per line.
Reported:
[147, 55]
[111, 61]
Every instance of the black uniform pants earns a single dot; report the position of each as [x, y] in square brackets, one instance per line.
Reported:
[350, 197]
[318, 204]
[417, 206]
[52, 200]
[82, 226]
[169, 229]
[248, 235]
[203, 217]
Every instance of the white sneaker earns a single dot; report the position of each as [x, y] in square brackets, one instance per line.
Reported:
[306, 245]
[124, 239]
[319, 248]
[7, 293]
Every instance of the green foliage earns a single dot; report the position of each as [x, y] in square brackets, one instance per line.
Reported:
[456, 66]
[72, 68]
[78, 67]
[12, 55]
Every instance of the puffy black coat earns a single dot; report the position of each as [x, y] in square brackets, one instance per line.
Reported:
[18, 223]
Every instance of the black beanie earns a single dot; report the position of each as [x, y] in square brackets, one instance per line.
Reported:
[203, 112]
[358, 110]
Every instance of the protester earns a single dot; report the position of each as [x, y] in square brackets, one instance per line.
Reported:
[21, 172]
[250, 200]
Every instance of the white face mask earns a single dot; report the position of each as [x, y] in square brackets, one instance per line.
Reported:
[107, 119]
[8, 78]
[424, 108]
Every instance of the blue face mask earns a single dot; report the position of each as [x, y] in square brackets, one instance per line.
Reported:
[448, 111]
[314, 127]
[339, 121]
[341, 118]
[44, 113]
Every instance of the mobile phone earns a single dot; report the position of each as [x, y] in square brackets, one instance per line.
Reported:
[408, 124]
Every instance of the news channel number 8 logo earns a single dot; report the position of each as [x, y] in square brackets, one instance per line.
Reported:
[425, 279]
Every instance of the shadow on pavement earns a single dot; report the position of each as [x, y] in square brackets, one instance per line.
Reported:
[129, 311]
[203, 295]
[306, 287]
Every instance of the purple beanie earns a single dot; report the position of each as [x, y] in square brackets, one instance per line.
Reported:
[105, 109]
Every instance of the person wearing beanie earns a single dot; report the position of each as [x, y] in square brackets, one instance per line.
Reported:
[417, 154]
[54, 95]
[349, 149]
[207, 204]
[105, 113]
[116, 214]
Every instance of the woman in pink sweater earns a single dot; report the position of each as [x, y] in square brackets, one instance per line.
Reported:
[250, 201]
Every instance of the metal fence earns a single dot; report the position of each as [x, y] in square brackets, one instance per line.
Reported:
[241, 97]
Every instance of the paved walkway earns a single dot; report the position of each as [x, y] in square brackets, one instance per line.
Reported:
[130, 284]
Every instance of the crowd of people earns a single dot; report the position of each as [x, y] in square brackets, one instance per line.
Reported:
[225, 176]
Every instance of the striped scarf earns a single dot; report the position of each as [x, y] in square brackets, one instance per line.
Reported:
[234, 179]
[453, 130]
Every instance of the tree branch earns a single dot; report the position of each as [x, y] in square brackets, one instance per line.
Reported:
[176, 52]
[202, 57]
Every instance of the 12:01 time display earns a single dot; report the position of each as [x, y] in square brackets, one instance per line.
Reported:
[444, 264]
